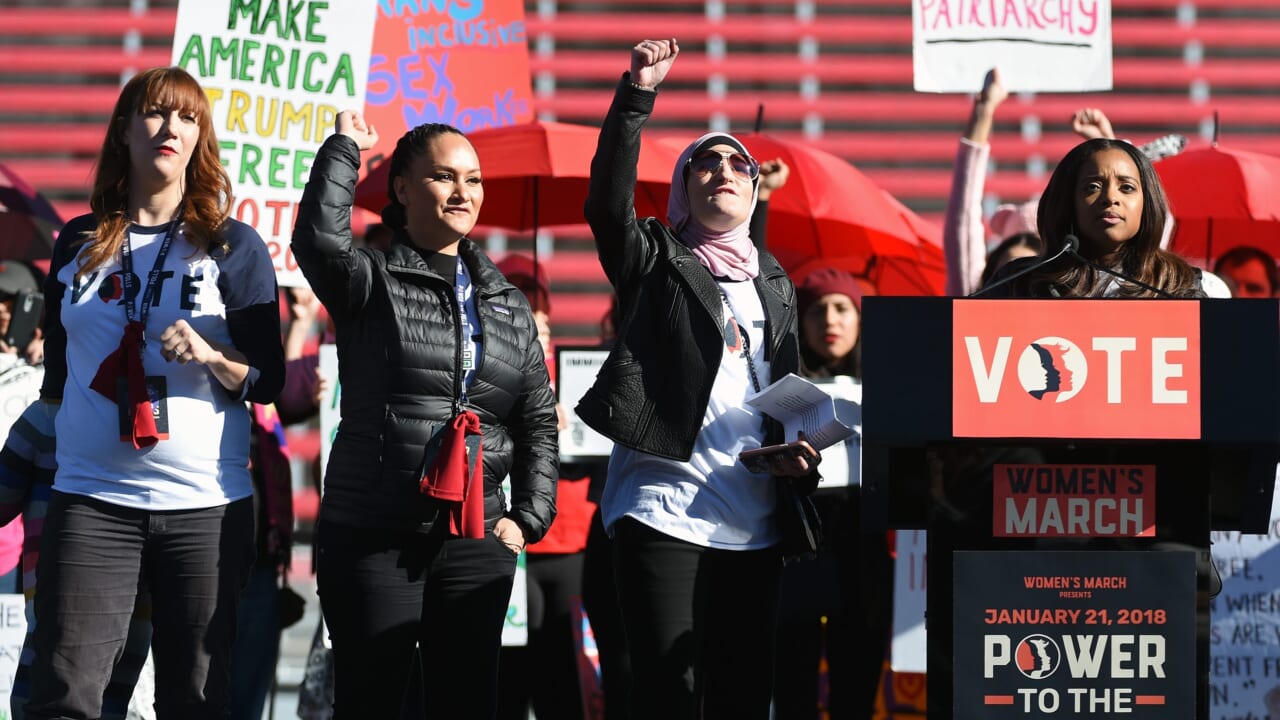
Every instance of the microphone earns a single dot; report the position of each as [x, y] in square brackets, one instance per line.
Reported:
[1070, 244]
[1073, 242]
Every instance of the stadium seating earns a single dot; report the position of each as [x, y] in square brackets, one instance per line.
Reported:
[836, 73]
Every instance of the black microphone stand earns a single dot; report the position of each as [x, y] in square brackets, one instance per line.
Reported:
[1102, 268]
[1070, 244]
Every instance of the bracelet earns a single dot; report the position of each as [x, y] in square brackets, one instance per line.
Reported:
[641, 88]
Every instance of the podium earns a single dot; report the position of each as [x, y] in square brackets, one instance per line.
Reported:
[1069, 458]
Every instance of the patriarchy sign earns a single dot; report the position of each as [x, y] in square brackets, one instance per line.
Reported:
[1073, 501]
[1039, 45]
[276, 72]
[1118, 369]
[1074, 635]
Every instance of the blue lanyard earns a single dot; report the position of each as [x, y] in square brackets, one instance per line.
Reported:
[465, 347]
[126, 277]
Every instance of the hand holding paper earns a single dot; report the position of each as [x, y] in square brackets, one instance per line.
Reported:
[793, 459]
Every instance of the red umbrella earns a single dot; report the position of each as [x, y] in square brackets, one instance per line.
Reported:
[28, 223]
[1221, 199]
[536, 174]
[830, 214]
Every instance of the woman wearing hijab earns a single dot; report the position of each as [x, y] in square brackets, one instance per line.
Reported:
[707, 319]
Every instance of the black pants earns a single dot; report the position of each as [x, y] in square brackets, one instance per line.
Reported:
[600, 596]
[92, 554]
[385, 592]
[700, 625]
[851, 584]
[545, 671]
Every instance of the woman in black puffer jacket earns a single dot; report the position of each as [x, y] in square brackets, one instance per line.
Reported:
[433, 345]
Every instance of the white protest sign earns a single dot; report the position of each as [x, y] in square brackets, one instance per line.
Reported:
[1038, 45]
[330, 404]
[276, 72]
[515, 626]
[576, 369]
[910, 570]
[842, 462]
[13, 630]
[1244, 635]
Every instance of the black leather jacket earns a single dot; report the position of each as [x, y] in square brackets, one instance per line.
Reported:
[652, 393]
[399, 365]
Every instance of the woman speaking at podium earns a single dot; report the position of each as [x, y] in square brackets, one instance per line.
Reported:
[1101, 218]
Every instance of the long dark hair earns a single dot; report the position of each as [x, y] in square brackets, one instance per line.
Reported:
[996, 258]
[1140, 256]
[206, 196]
[412, 144]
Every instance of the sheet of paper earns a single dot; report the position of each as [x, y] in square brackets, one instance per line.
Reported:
[800, 405]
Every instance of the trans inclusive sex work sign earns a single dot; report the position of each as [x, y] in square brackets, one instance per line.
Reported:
[1076, 369]
[460, 62]
[1074, 635]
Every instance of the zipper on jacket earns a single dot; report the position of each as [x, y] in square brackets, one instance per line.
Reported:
[450, 297]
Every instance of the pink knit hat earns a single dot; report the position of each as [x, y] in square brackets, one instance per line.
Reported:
[1012, 219]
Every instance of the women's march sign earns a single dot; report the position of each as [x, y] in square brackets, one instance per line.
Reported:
[460, 62]
[276, 72]
[1039, 45]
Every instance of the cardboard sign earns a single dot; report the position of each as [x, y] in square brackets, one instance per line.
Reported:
[1041, 46]
[276, 74]
[1076, 369]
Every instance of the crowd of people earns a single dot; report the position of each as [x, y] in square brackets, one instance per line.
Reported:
[148, 486]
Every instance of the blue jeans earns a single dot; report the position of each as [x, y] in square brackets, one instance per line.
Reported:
[92, 553]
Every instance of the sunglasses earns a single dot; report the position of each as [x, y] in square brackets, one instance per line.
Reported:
[708, 161]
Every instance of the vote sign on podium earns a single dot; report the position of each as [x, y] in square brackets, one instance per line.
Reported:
[1048, 368]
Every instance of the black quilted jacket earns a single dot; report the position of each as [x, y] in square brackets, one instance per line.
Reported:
[399, 367]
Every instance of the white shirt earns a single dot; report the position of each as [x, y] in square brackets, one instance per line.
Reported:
[205, 461]
[710, 500]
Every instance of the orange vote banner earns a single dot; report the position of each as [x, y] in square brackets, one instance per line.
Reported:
[1076, 369]
[460, 62]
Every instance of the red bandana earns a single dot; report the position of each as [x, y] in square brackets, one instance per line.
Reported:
[126, 362]
[449, 478]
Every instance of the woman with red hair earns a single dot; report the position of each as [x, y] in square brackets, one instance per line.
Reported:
[161, 321]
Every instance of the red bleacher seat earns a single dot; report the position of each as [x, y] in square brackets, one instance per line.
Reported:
[835, 72]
